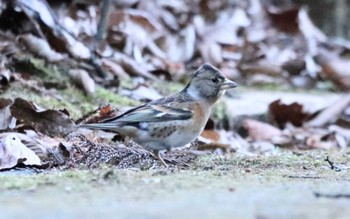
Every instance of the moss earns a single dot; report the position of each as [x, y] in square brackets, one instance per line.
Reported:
[166, 88]
[75, 101]
[39, 68]
[48, 101]
[114, 99]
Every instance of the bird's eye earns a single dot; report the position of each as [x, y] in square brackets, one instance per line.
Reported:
[215, 80]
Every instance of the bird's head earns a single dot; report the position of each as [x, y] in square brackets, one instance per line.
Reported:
[209, 83]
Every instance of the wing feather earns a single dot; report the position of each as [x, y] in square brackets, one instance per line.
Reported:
[150, 113]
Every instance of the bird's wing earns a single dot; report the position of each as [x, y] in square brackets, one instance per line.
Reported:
[150, 113]
[161, 110]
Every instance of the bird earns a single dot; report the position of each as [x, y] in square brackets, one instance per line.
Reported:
[175, 120]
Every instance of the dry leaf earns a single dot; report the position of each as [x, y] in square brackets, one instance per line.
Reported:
[114, 68]
[211, 53]
[141, 92]
[77, 49]
[336, 69]
[5, 113]
[316, 141]
[281, 113]
[50, 122]
[13, 152]
[285, 20]
[5, 75]
[131, 66]
[131, 21]
[83, 79]
[40, 48]
[211, 134]
[331, 113]
[260, 131]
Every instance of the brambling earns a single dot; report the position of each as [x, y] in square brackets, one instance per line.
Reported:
[175, 120]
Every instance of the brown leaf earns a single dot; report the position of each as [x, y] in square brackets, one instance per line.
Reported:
[103, 112]
[219, 139]
[260, 131]
[281, 113]
[13, 152]
[285, 20]
[211, 134]
[50, 122]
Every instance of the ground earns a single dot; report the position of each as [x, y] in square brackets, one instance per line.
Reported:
[284, 185]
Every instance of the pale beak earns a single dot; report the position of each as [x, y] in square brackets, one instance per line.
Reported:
[228, 84]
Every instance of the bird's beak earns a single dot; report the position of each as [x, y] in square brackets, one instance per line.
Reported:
[228, 84]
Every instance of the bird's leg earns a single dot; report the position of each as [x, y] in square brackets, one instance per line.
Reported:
[157, 155]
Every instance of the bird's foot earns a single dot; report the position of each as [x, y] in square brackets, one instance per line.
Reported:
[156, 155]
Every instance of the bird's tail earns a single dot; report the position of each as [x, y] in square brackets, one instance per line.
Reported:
[101, 126]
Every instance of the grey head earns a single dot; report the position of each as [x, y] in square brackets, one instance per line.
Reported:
[208, 83]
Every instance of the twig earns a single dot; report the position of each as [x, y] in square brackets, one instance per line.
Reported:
[333, 167]
[322, 195]
[101, 29]
[304, 177]
[100, 35]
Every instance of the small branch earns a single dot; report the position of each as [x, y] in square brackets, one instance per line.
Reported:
[102, 24]
[333, 167]
[333, 196]
[304, 177]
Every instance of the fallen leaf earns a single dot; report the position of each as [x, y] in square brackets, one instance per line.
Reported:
[281, 113]
[41, 48]
[211, 53]
[50, 122]
[315, 141]
[83, 79]
[141, 92]
[260, 131]
[114, 68]
[211, 134]
[5, 113]
[131, 66]
[336, 69]
[331, 113]
[341, 131]
[5, 75]
[285, 20]
[13, 152]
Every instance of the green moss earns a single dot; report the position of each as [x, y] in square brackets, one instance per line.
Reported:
[113, 98]
[72, 98]
[166, 88]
